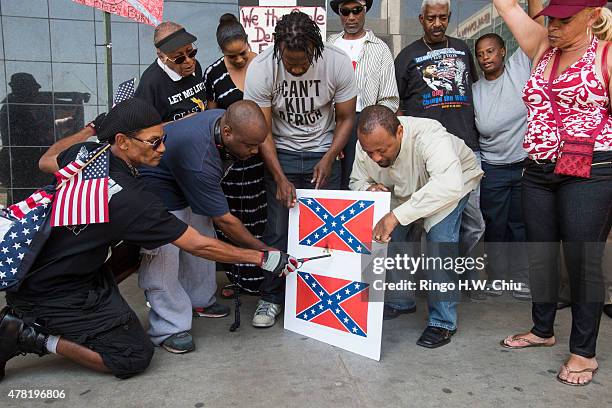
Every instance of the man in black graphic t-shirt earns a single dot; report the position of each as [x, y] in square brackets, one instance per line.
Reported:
[435, 81]
[434, 78]
[173, 82]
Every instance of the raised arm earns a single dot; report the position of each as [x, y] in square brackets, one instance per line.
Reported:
[48, 161]
[533, 8]
[531, 36]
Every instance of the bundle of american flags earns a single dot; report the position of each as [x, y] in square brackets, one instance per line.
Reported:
[23, 232]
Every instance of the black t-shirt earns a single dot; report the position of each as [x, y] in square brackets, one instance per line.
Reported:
[71, 262]
[438, 85]
[172, 99]
[219, 85]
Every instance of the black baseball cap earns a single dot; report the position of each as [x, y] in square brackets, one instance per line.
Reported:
[175, 41]
[129, 116]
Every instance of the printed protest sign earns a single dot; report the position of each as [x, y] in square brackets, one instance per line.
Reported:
[259, 17]
[332, 299]
[143, 11]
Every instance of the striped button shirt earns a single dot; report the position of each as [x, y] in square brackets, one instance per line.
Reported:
[375, 73]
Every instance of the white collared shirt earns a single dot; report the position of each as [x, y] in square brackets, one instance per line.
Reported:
[171, 73]
[432, 173]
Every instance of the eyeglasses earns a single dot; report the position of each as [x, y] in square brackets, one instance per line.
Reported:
[181, 58]
[345, 11]
[154, 145]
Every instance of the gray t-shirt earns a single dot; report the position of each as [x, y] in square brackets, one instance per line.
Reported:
[501, 115]
[303, 116]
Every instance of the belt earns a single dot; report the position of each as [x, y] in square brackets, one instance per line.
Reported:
[543, 162]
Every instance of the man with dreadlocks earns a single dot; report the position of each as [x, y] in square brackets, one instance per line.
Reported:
[306, 90]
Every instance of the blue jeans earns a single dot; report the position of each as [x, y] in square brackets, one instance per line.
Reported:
[349, 156]
[298, 168]
[501, 205]
[472, 226]
[441, 313]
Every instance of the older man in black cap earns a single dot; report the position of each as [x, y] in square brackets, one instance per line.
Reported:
[69, 304]
[173, 82]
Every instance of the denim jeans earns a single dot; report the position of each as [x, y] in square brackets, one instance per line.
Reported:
[443, 242]
[501, 205]
[405, 239]
[472, 222]
[349, 156]
[472, 226]
[298, 168]
[578, 213]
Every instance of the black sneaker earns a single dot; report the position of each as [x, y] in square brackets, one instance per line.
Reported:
[179, 343]
[216, 310]
[391, 313]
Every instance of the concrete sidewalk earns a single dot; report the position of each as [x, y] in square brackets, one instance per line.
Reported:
[275, 368]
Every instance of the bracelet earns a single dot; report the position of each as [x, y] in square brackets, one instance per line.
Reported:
[92, 126]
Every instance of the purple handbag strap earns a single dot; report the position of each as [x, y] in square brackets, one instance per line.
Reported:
[553, 102]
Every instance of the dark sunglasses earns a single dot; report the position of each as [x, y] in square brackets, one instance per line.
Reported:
[154, 145]
[181, 58]
[345, 11]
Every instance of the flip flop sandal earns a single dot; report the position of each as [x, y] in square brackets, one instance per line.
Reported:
[530, 343]
[586, 370]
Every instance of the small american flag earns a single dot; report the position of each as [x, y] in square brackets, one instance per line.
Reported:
[82, 197]
[23, 233]
[125, 91]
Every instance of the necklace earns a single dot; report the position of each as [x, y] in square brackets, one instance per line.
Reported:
[133, 169]
[427, 45]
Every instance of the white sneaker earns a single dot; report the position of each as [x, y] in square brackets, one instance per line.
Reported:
[265, 315]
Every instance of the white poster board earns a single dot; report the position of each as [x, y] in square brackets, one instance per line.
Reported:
[333, 299]
[260, 17]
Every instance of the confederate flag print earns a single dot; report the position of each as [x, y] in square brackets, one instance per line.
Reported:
[339, 304]
[344, 225]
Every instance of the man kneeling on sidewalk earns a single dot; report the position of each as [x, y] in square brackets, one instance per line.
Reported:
[68, 303]
[430, 174]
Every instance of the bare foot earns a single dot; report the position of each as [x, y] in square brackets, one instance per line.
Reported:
[578, 370]
[528, 339]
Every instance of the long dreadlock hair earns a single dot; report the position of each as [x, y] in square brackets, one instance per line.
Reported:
[297, 32]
